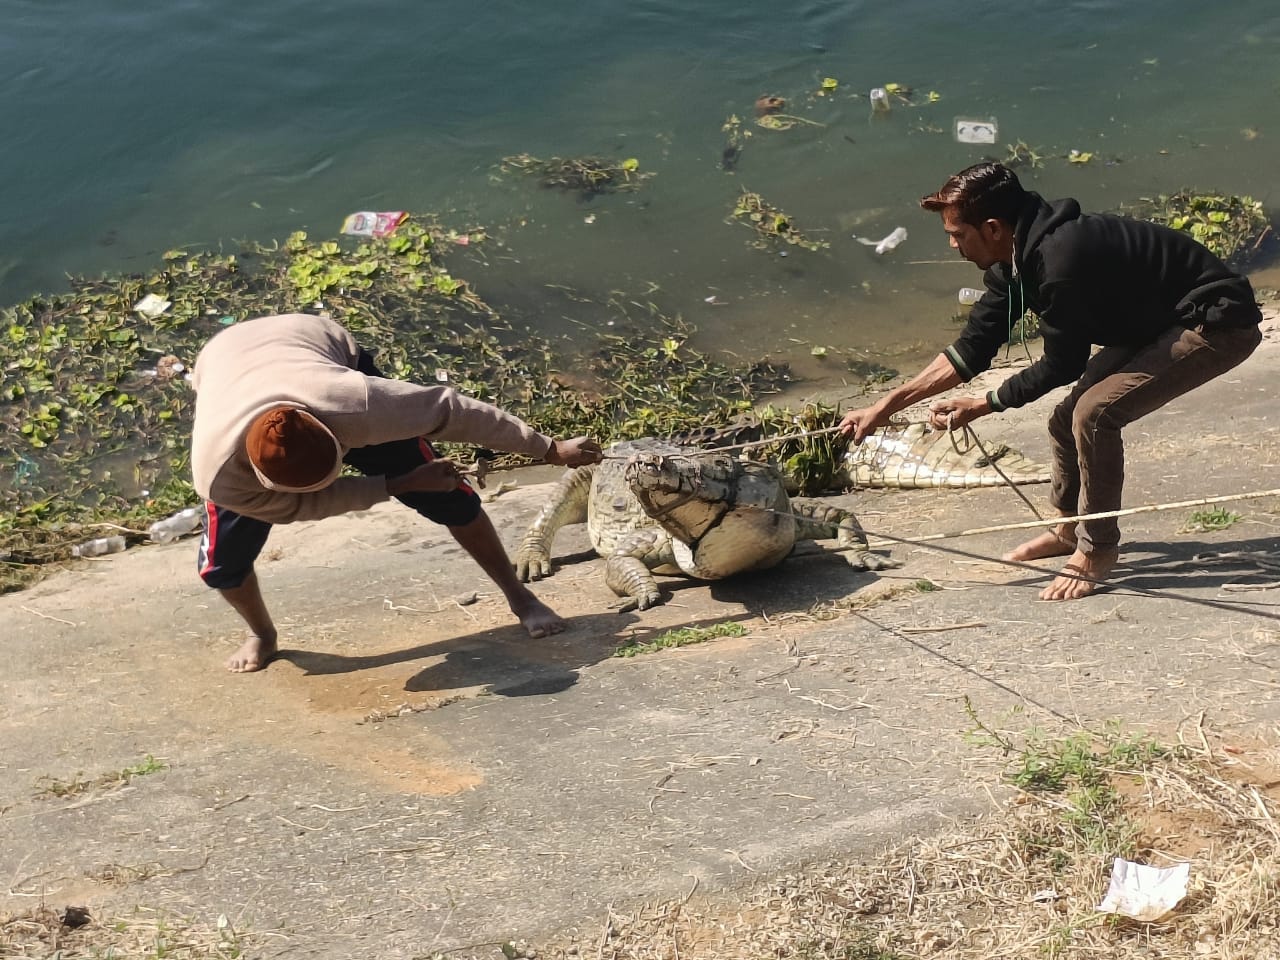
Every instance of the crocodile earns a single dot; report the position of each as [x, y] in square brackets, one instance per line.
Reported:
[656, 507]
[899, 456]
[912, 456]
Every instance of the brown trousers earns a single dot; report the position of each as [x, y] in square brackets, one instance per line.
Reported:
[1119, 385]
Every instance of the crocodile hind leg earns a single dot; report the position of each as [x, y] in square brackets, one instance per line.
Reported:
[629, 571]
[818, 520]
[567, 504]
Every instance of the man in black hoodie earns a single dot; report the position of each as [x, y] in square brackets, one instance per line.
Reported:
[1167, 314]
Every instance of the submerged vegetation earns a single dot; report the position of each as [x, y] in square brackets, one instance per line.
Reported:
[96, 399]
[585, 175]
[770, 224]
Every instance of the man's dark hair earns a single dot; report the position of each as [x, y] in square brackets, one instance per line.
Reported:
[984, 191]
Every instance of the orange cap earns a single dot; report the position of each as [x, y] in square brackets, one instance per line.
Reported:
[292, 450]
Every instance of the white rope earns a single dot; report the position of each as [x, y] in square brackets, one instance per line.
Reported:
[771, 441]
[1107, 514]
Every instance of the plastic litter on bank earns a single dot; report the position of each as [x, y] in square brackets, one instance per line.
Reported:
[151, 306]
[369, 224]
[1143, 892]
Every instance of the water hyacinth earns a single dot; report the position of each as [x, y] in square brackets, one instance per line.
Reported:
[97, 405]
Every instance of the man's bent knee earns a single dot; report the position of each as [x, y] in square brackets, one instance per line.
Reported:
[220, 579]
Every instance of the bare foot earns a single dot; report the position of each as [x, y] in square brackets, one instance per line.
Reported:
[537, 618]
[1081, 575]
[254, 654]
[1057, 542]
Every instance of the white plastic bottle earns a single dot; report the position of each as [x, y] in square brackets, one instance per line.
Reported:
[892, 240]
[96, 548]
[970, 295]
[879, 100]
[171, 528]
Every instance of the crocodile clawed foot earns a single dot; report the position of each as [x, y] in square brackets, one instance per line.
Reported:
[873, 561]
[642, 602]
[650, 600]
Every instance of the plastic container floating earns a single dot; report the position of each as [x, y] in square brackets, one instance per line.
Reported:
[892, 240]
[879, 100]
[976, 130]
[970, 295]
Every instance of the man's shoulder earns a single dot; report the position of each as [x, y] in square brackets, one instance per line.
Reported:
[285, 333]
[1088, 236]
[282, 326]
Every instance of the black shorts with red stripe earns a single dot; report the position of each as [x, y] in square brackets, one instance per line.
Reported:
[231, 541]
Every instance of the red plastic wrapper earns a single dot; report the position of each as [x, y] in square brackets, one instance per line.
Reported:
[369, 224]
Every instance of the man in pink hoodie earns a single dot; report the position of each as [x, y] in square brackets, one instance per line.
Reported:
[282, 403]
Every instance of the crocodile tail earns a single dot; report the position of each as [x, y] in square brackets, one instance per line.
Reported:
[913, 457]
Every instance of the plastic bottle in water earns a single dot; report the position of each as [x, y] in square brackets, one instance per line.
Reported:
[879, 100]
[171, 528]
[96, 548]
[892, 240]
[970, 295]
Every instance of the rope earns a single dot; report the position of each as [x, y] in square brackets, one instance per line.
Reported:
[771, 441]
[1107, 514]
[972, 436]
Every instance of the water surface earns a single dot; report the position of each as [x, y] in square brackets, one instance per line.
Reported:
[134, 129]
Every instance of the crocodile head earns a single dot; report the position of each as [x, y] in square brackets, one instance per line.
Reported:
[686, 494]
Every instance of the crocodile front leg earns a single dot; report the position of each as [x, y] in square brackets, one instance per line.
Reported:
[818, 520]
[629, 572]
[567, 504]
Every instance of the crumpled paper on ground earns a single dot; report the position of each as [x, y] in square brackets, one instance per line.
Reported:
[1142, 892]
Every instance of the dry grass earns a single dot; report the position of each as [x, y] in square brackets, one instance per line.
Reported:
[74, 934]
[1021, 883]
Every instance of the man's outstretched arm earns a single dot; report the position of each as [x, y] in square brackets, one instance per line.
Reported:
[938, 376]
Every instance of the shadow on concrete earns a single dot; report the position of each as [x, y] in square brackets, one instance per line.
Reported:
[544, 669]
[505, 662]
[803, 579]
[1173, 569]
[587, 641]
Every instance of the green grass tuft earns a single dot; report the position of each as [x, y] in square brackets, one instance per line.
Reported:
[681, 638]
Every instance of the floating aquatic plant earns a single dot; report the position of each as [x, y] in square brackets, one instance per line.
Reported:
[1232, 227]
[585, 175]
[770, 224]
[1022, 155]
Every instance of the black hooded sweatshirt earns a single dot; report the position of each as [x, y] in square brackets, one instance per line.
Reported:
[1093, 279]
